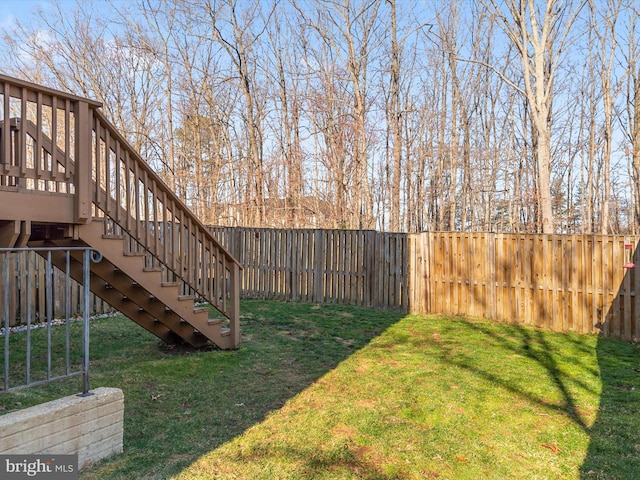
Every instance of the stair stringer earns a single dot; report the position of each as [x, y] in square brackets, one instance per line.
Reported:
[112, 296]
[147, 290]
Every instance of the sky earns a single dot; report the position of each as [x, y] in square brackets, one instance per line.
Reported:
[20, 9]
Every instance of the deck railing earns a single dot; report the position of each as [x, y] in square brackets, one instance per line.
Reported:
[61, 144]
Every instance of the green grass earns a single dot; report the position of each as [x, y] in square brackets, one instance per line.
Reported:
[330, 392]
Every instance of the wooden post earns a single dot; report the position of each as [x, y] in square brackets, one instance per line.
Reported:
[5, 156]
[83, 184]
[234, 324]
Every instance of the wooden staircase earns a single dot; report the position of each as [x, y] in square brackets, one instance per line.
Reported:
[89, 187]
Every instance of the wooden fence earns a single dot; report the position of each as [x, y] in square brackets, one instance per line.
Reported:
[561, 282]
[326, 266]
[29, 267]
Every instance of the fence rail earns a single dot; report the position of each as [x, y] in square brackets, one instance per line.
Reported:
[60, 354]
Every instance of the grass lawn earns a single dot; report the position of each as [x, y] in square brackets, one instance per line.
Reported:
[332, 392]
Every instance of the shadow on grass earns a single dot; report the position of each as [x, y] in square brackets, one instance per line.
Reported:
[535, 345]
[180, 404]
[614, 437]
[614, 448]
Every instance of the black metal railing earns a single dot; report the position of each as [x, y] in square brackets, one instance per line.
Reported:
[64, 352]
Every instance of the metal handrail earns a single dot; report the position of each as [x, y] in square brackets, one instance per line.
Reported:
[89, 255]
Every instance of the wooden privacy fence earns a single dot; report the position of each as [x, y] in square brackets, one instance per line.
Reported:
[561, 282]
[327, 266]
[29, 267]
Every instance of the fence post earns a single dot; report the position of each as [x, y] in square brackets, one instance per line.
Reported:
[6, 321]
[234, 324]
[318, 266]
[491, 262]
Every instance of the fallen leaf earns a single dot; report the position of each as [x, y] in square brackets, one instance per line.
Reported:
[551, 447]
[462, 459]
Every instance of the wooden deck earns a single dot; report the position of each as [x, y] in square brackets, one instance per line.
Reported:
[67, 177]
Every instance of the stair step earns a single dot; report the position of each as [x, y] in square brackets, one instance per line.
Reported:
[110, 236]
[200, 309]
[135, 254]
[152, 269]
[214, 321]
[226, 332]
[170, 284]
[186, 297]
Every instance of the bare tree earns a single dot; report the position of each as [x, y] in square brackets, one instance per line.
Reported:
[238, 33]
[350, 31]
[284, 73]
[632, 131]
[540, 36]
[606, 56]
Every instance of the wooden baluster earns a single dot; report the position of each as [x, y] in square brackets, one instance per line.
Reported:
[37, 148]
[97, 161]
[156, 246]
[118, 196]
[67, 139]
[107, 172]
[138, 195]
[165, 253]
[146, 214]
[22, 136]
[127, 180]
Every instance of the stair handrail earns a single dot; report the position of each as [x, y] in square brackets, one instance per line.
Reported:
[113, 131]
[201, 261]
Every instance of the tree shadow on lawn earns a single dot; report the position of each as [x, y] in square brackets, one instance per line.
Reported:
[535, 345]
[614, 437]
[180, 404]
[614, 448]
